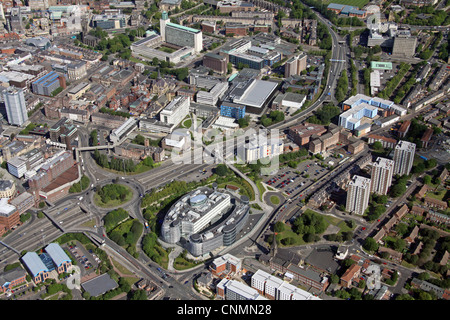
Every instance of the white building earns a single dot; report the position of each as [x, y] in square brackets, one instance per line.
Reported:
[180, 35]
[293, 100]
[193, 213]
[381, 177]
[259, 148]
[404, 157]
[117, 135]
[211, 97]
[16, 109]
[358, 195]
[235, 290]
[275, 288]
[225, 123]
[176, 110]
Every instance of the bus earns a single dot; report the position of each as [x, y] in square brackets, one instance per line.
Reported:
[146, 225]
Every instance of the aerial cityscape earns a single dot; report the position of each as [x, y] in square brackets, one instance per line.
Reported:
[186, 150]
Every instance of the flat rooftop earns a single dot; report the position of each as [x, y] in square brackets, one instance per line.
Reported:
[256, 93]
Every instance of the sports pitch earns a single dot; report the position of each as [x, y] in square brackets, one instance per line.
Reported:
[354, 3]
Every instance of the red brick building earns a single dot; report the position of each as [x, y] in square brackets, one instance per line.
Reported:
[225, 264]
[12, 278]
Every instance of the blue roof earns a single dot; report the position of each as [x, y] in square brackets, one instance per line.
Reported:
[335, 6]
[48, 79]
[347, 9]
[57, 254]
[357, 11]
[33, 263]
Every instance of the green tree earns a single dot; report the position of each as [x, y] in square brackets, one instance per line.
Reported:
[370, 244]
[221, 170]
[279, 227]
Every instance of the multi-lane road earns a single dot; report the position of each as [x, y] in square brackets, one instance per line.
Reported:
[338, 63]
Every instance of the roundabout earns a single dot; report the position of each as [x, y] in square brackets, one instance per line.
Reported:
[113, 195]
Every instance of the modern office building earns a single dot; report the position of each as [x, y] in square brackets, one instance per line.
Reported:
[232, 110]
[15, 105]
[12, 278]
[60, 259]
[204, 220]
[109, 21]
[225, 264]
[9, 215]
[216, 62]
[180, 35]
[239, 46]
[176, 110]
[359, 106]
[47, 84]
[351, 119]
[358, 194]
[404, 157]
[251, 61]
[257, 148]
[19, 165]
[381, 175]
[254, 94]
[36, 267]
[361, 98]
[40, 266]
[404, 46]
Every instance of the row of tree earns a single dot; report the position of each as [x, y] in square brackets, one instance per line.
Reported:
[125, 165]
[80, 186]
[392, 84]
[342, 87]
[127, 234]
[114, 218]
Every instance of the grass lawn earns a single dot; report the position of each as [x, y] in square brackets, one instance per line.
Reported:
[298, 239]
[166, 49]
[140, 168]
[121, 268]
[261, 189]
[89, 224]
[181, 264]
[275, 200]
[242, 190]
[355, 3]
[288, 233]
[439, 194]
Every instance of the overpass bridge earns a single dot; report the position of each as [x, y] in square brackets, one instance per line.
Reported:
[59, 226]
[103, 146]
[100, 147]
[9, 247]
